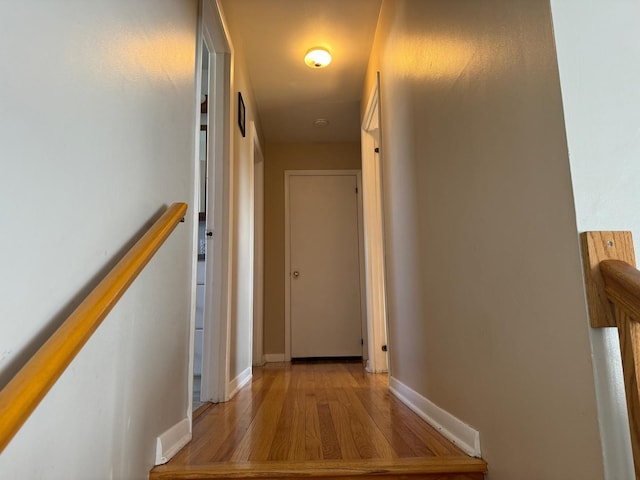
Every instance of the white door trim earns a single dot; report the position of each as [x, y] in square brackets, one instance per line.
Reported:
[287, 248]
[215, 354]
[377, 329]
[258, 247]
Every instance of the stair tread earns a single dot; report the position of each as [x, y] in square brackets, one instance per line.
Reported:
[323, 468]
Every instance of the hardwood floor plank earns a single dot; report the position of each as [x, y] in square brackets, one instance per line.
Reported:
[401, 414]
[297, 433]
[218, 428]
[342, 426]
[364, 432]
[328, 435]
[282, 437]
[383, 449]
[405, 442]
[256, 443]
[313, 439]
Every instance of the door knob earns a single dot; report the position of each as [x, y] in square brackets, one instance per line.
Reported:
[296, 274]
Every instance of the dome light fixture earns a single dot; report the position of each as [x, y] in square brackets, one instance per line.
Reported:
[321, 122]
[317, 57]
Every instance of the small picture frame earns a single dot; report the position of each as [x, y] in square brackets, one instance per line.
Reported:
[241, 114]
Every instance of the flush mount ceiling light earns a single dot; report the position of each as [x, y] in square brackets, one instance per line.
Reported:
[321, 122]
[317, 57]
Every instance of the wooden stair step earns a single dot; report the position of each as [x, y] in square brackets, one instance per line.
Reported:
[431, 468]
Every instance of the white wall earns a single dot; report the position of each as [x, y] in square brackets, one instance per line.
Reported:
[96, 136]
[598, 46]
[486, 307]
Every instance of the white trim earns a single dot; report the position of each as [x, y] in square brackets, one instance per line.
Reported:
[257, 162]
[240, 381]
[172, 440]
[371, 117]
[287, 271]
[274, 357]
[287, 249]
[217, 315]
[194, 212]
[375, 288]
[364, 332]
[229, 204]
[458, 432]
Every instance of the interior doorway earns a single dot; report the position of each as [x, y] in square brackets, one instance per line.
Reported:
[324, 309]
[210, 339]
[202, 233]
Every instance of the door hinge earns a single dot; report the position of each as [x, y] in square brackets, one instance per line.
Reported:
[361, 341]
[356, 190]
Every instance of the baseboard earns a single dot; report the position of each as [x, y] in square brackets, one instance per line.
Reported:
[454, 429]
[274, 357]
[237, 383]
[171, 441]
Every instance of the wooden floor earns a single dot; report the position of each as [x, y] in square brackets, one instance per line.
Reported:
[320, 420]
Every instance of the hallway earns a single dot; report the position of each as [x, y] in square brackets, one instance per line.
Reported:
[319, 420]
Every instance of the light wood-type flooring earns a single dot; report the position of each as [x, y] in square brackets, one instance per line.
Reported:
[317, 420]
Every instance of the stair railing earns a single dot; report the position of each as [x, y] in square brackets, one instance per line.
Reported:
[613, 295]
[20, 397]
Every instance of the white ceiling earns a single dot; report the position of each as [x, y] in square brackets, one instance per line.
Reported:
[276, 34]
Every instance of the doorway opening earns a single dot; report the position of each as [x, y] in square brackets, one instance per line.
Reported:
[210, 335]
[202, 232]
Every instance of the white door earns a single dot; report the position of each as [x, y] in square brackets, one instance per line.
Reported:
[324, 263]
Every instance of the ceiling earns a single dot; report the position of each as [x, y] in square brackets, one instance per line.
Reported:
[276, 34]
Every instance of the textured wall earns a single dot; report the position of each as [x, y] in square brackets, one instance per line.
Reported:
[97, 134]
[486, 307]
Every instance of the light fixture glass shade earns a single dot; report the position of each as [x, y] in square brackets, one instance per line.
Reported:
[317, 58]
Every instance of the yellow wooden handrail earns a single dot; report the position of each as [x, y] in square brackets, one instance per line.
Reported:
[20, 397]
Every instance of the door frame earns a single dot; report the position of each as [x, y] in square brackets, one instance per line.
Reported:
[373, 206]
[215, 352]
[257, 161]
[287, 250]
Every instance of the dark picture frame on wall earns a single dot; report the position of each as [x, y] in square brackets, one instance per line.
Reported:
[241, 114]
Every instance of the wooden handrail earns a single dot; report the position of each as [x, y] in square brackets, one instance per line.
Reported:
[613, 291]
[622, 285]
[20, 397]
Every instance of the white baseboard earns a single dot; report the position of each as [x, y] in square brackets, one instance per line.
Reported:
[274, 357]
[458, 432]
[171, 441]
[239, 382]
